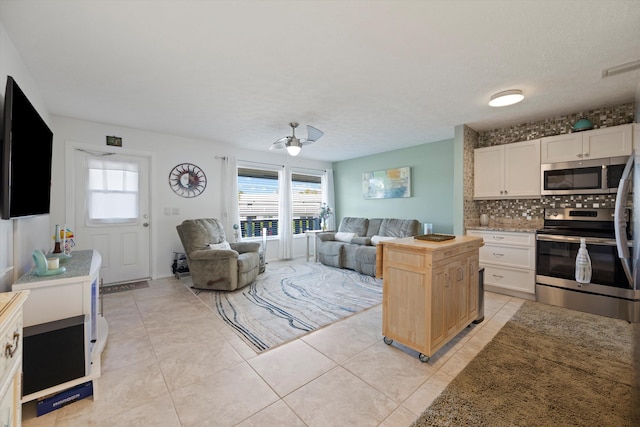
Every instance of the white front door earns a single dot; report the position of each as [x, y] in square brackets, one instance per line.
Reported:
[112, 212]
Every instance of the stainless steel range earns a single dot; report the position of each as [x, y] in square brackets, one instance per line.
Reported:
[610, 292]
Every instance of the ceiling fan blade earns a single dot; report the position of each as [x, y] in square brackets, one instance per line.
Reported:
[281, 143]
[313, 134]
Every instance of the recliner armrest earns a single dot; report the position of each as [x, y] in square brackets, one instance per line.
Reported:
[244, 247]
[327, 236]
[209, 254]
[364, 241]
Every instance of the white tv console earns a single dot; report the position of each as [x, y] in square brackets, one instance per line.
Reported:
[63, 309]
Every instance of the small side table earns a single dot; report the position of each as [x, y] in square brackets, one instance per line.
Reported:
[314, 234]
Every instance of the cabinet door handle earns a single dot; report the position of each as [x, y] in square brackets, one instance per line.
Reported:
[11, 348]
[460, 273]
[579, 155]
[497, 255]
[497, 237]
[497, 276]
[506, 192]
[586, 154]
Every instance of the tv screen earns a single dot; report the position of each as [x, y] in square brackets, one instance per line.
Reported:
[27, 143]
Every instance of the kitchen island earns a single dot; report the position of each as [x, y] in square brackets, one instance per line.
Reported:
[430, 290]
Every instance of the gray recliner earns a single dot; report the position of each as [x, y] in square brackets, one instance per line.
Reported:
[211, 264]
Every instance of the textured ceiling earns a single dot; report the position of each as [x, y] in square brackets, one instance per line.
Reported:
[373, 75]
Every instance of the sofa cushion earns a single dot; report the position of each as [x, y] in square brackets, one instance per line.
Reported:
[354, 225]
[377, 239]
[374, 227]
[393, 227]
[342, 236]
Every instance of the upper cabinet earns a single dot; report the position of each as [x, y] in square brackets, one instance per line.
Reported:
[507, 171]
[592, 144]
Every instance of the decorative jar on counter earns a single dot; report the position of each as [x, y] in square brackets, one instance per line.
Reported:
[484, 219]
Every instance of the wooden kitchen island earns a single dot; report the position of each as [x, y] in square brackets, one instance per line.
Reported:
[430, 290]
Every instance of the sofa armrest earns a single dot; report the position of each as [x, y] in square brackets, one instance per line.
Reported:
[326, 236]
[364, 241]
[210, 254]
[244, 247]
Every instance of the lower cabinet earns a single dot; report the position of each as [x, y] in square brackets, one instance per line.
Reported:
[508, 258]
[430, 291]
[11, 320]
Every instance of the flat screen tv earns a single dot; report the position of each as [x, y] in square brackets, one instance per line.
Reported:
[25, 159]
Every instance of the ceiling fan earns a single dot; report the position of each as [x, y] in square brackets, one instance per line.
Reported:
[294, 144]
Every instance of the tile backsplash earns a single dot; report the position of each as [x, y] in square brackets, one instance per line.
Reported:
[529, 213]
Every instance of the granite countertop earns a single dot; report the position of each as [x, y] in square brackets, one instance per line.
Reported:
[510, 228]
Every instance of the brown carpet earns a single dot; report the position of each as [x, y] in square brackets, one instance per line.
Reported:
[547, 366]
[110, 289]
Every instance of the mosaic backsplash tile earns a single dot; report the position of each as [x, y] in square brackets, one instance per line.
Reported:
[600, 117]
[529, 213]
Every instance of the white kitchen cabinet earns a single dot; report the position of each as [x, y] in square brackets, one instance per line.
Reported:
[509, 261]
[636, 137]
[600, 143]
[507, 171]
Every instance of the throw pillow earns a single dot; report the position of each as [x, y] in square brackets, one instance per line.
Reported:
[376, 239]
[344, 237]
[221, 245]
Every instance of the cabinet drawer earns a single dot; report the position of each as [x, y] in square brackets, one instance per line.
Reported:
[510, 256]
[509, 278]
[505, 237]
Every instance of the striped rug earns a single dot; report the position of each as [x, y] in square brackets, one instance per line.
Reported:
[288, 301]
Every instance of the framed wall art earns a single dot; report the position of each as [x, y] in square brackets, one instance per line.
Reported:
[387, 184]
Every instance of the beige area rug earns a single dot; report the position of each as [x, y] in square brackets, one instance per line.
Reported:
[547, 366]
[290, 300]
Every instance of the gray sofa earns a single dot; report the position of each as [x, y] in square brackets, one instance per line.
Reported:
[353, 246]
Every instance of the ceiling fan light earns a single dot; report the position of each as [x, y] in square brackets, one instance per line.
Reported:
[293, 149]
[507, 97]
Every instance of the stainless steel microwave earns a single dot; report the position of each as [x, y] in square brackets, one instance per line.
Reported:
[595, 176]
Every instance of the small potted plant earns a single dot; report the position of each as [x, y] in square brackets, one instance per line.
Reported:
[325, 213]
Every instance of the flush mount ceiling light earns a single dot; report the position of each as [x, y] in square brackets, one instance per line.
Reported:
[507, 97]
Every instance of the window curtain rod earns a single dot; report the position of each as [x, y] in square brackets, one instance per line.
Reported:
[249, 161]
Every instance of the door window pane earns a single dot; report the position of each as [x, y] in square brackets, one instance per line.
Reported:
[113, 192]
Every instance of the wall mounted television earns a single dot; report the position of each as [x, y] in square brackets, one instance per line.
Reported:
[25, 159]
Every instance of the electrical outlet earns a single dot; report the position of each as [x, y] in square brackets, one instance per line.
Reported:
[167, 211]
[175, 211]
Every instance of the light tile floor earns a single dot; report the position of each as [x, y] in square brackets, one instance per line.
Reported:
[170, 361]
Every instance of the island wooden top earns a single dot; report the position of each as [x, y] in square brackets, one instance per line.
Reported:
[436, 250]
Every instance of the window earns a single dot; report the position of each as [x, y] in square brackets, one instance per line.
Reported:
[258, 201]
[307, 199]
[113, 195]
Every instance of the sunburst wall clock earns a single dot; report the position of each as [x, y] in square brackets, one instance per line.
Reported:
[187, 180]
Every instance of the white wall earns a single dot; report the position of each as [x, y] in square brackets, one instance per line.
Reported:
[167, 151]
[19, 237]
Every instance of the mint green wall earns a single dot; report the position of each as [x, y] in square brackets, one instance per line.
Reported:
[432, 185]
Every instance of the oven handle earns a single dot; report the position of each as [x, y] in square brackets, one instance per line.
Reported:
[572, 239]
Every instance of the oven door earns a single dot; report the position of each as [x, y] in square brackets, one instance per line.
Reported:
[556, 263]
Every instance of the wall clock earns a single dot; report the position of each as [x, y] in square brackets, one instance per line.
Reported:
[187, 180]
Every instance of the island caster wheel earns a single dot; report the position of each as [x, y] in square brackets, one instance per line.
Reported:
[423, 358]
[387, 341]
